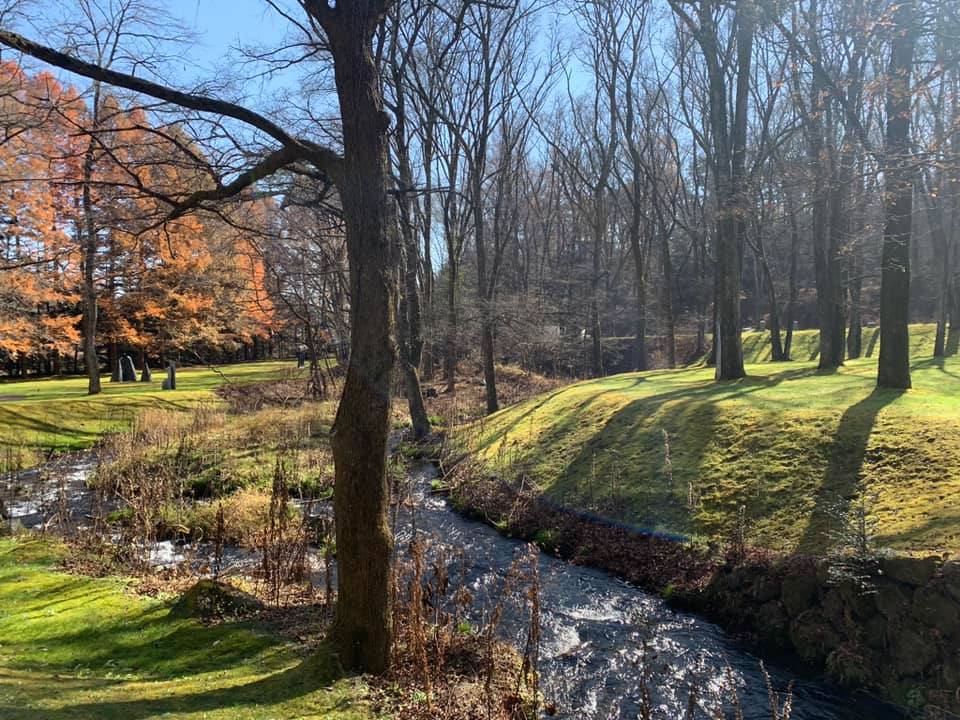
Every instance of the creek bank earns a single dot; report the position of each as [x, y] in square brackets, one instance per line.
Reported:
[895, 629]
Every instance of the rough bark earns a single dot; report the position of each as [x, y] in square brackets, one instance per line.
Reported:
[894, 367]
[730, 155]
[362, 630]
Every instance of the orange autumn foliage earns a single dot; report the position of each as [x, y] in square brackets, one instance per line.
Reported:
[192, 282]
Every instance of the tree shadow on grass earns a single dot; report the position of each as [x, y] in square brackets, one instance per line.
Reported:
[622, 471]
[841, 481]
[938, 362]
[317, 672]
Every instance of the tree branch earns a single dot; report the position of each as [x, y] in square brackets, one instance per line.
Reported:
[324, 158]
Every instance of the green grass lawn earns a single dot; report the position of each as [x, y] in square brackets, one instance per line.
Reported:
[57, 414]
[674, 451]
[87, 649]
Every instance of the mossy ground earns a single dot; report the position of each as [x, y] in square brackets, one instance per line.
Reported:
[674, 451]
[82, 648]
[56, 414]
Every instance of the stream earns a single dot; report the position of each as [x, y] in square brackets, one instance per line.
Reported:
[597, 632]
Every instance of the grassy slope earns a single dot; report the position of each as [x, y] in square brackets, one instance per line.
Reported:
[788, 443]
[82, 648]
[57, 414]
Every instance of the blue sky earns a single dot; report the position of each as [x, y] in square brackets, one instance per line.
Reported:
[221, 26]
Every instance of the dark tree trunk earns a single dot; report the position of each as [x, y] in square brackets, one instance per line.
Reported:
[670, 320]
[953, 336]
[362, 630]
[935, 216]
[410, 322]
[640, 285]
[596, 344]
[485, 293]
[776, 345]
[793, 291]
[89, 273]
[411, 340]
[113, 355]
[702, 298]
[730, 158]
[894, 367]
[833, 324]
[450, 334]
[825, 258]
[855, 325]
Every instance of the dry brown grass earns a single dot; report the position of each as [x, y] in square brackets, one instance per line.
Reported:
[468, 402]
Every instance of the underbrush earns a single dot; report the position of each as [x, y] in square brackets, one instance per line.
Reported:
[212, 453]
[468, 402]
[223, 480]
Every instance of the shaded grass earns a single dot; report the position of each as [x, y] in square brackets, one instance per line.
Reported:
[675, 451]
[56, 414]
[77, 647]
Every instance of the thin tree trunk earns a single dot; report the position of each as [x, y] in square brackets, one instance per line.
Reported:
[89, 274]
[793, 291]
[596, 345]
[450, 334]
[670, 320]
[485, 294]
[776, 346]
[855, 326]
[410, 320]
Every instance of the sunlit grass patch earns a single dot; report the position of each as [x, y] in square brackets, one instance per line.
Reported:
[675, 451]
[83, 648]
[56, 413]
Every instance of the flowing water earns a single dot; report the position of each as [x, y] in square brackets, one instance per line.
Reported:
[599, 636]
[595, 630]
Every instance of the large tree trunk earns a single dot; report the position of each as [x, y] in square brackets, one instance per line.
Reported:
[730, 156]
[943, 301]
[953, 335]
[409, 324]
[894, 367]
[824, 215]
[361, 630]
[427, 226]
[411, 375]
[825, 258]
